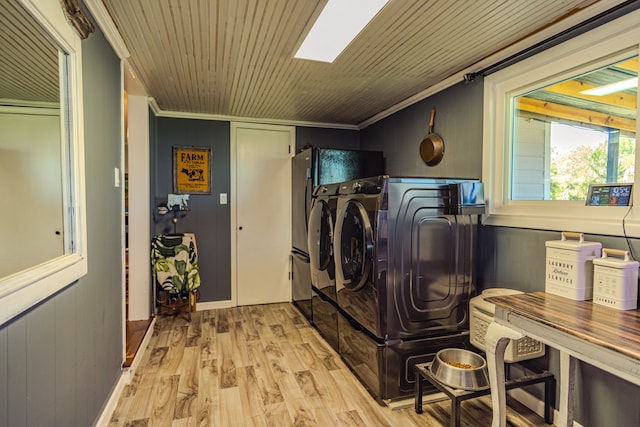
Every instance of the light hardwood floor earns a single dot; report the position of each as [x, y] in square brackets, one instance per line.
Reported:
[264, 366]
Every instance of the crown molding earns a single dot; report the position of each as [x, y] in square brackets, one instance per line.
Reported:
[108, 27]
[199, 116]
[546, 33]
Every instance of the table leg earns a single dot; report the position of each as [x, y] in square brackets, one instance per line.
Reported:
[567, 381]
[549, 399]
[455, 412]
[496, 341]
[418, 403]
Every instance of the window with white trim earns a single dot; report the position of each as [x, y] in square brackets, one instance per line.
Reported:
[45, 236]
[555, 123]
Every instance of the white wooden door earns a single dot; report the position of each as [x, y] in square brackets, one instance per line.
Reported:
[262, 212]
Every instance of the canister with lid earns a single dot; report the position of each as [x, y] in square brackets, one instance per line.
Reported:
[569, 266]
[615, 280]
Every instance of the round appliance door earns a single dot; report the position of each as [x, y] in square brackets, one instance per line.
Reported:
[320, 236]
[353, 246]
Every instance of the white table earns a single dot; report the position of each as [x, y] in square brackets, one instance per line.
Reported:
[604, 337]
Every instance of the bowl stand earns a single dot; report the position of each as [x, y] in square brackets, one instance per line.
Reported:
[423, 372]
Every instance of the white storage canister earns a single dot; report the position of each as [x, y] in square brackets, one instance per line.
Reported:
[615, 280]
[569, 268]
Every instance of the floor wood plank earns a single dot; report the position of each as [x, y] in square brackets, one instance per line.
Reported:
[265, 366]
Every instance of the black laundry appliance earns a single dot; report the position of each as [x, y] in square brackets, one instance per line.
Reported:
[312, 167]
[404, 253]
[323, 279]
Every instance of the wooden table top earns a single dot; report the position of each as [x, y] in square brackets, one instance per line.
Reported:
[618, 330]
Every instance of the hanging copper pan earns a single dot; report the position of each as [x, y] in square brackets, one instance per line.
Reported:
[432, 146]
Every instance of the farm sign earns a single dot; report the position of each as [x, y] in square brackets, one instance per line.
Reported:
[191, 170]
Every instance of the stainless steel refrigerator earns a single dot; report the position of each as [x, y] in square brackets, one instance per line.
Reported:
[311, 167]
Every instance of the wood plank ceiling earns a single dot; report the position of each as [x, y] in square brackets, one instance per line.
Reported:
[235, 57]
[28, 59]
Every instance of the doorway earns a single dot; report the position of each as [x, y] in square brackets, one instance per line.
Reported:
[261, 212]
[137, 234]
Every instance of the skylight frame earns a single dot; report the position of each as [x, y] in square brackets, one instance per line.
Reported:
[339, 23]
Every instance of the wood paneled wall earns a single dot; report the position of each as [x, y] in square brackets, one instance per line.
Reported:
[60, 360]
[507, 257]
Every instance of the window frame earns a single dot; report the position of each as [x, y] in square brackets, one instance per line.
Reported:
[23, 290]
[580, 54]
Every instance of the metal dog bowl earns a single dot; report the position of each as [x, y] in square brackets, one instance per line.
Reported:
[460, 369]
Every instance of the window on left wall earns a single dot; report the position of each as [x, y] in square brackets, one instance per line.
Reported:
[41, 146]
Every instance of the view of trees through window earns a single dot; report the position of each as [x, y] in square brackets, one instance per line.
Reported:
[575, 132]
[580, 157]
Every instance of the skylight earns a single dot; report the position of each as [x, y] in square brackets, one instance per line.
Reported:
[338, 24]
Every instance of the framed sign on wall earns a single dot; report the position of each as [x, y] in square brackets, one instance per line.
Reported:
[191, 170]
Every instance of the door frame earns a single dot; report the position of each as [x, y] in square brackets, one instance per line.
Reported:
[233, 158]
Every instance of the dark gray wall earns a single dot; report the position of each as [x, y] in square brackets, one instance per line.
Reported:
[458, 121]
[60, 360]
[208, 219]
[516, 258]
[507, 257]
[327, 138]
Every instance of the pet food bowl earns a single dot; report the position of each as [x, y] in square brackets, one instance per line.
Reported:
[460, 369]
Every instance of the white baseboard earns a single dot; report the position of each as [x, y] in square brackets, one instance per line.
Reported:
[126, 375]
[212, 305]
[536, 405]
